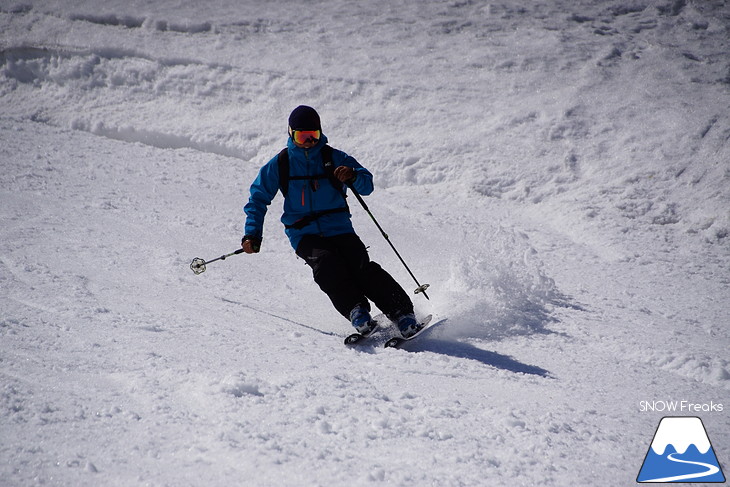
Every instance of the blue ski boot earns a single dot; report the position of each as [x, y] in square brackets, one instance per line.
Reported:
[362, 321]
[408, 325]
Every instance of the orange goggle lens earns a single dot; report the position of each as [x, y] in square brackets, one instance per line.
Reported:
[304, 136]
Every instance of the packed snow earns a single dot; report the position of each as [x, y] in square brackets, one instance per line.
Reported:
[557, 171]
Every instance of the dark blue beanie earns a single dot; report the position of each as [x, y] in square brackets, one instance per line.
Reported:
[304, 118]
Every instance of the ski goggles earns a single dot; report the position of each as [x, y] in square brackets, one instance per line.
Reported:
[304, 136]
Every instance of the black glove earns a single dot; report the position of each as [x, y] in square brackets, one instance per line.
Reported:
[251, 244]
[345, 174]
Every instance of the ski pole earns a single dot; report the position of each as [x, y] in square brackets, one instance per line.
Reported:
[198, 264]
[421, 287]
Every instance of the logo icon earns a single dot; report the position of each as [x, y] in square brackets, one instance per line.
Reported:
[681, 452]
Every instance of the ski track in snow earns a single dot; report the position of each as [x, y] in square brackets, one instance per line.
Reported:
[557, 171]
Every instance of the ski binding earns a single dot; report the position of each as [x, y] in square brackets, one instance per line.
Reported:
[356, 337]
[397, 341]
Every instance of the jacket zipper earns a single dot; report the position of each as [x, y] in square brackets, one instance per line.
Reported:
[311, 199]
[304, 186]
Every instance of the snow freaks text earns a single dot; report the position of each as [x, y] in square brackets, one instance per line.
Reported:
[680, 407]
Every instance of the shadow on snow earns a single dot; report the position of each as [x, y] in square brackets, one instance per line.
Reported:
[429, 343]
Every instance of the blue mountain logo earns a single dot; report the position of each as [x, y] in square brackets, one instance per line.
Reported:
[681, 452]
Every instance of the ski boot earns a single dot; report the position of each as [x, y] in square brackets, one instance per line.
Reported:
[364, 324]
[407, 325]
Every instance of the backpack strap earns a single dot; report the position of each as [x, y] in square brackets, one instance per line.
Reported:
[329, 170]
[304, 221]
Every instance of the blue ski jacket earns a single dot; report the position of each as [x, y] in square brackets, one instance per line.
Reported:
[305, 197]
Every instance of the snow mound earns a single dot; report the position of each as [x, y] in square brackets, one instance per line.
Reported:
[697, 366]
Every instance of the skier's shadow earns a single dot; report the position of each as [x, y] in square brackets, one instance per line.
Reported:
[431, 343]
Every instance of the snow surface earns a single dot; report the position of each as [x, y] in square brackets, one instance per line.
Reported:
[556, 170]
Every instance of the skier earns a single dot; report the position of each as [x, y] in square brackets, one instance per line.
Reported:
[317, 221]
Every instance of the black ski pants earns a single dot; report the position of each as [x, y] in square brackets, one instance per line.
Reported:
[343, 270]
